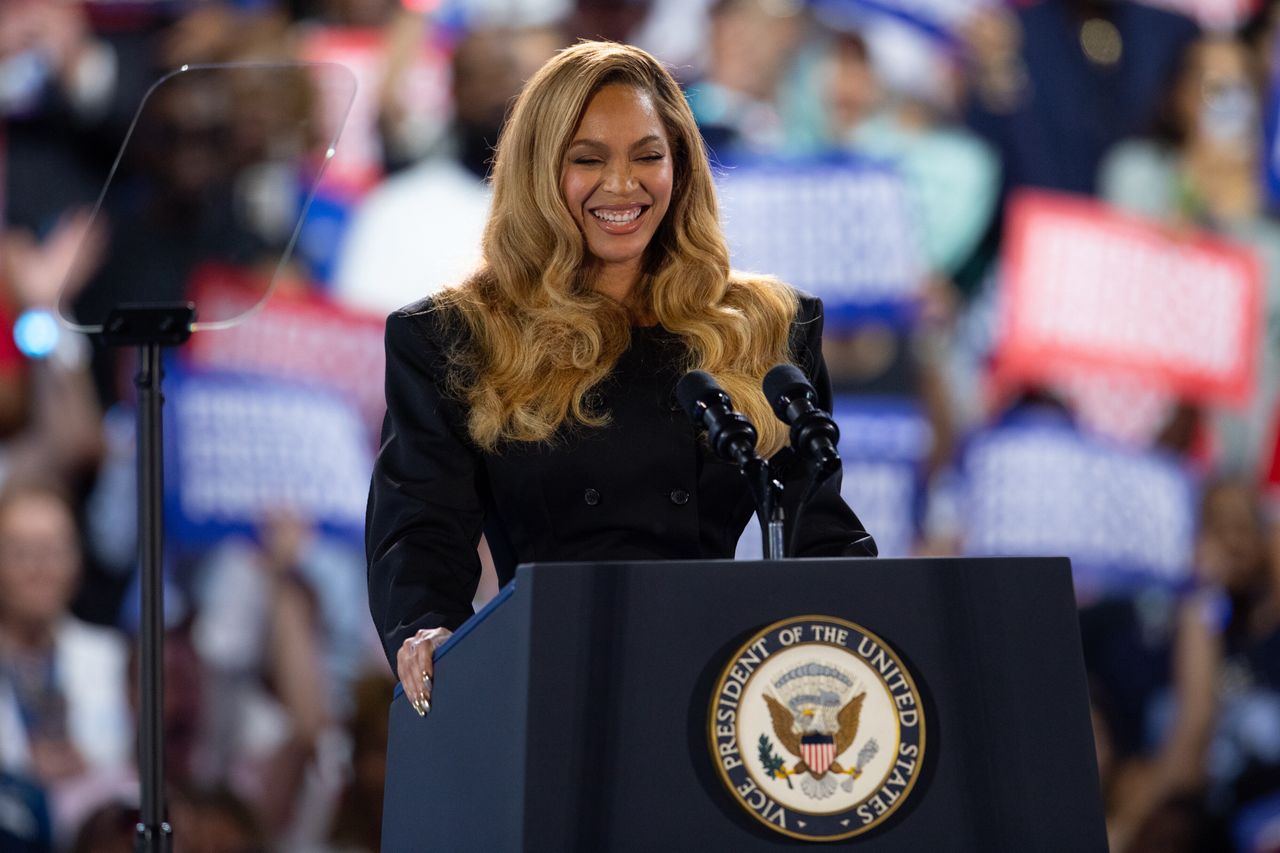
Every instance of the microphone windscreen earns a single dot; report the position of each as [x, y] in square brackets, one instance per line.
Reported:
[692, 387]
[784, 383]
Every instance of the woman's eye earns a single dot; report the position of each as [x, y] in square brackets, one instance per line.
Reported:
[587, 161]
[652, 158]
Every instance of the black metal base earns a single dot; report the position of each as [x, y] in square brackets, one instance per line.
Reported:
[153, 839]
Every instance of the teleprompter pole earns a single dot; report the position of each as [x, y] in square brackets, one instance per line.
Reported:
[150, 328]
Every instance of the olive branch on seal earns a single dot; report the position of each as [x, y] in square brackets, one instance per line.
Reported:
[772, 762]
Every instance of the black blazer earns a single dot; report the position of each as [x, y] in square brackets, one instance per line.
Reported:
[644, 487]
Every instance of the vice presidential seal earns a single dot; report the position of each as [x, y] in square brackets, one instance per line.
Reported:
[817, 728]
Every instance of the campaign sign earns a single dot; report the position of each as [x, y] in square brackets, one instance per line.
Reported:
[301, 336]
[939, 19]
[1036, 487]
[1271, 131]
[1090, 290]
[242, 448]
[883, 445]
[320, 240]
[840, 228]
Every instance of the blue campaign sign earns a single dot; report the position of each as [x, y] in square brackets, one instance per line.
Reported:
[883, 445]
[1125, 517]
[938, 19]
[241, 448]
[1271, 133]
[320, 239]
[839, 227]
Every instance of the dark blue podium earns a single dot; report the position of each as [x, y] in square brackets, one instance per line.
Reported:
[572, 713]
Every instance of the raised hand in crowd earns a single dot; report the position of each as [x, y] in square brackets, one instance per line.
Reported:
[39, 271]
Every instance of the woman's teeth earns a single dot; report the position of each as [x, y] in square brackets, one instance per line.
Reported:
[618, 217]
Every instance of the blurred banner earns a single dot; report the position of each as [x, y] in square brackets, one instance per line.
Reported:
[241, 449]
[884, 443]
[1090, 291]
[1035, 486]
[840, 228]
[423, 95]
[299, 335]
[941, 19]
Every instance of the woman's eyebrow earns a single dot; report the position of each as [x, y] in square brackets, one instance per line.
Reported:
[596, 143]
[653, 137]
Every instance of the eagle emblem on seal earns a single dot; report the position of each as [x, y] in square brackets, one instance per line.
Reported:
[815, 709]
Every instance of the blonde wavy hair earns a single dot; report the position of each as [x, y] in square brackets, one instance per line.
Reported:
[540, 338]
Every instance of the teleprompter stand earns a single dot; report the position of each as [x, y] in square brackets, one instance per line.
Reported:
[150, 328]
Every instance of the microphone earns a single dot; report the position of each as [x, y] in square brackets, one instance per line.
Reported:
[730, 434]
[814, 435]
[733, 439]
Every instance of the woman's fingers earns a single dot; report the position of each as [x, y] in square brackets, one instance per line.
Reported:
[416, 668]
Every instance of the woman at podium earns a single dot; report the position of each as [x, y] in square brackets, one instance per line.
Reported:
[534, 402]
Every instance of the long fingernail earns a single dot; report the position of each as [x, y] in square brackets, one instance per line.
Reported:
[417, 706]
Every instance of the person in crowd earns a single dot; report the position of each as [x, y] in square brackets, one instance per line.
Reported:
[1207, 749]
[891, 96]
[1053, 84]
[64, 715]
[50, 421]
[1199, 169]
[605, 277]
[24, 815]
[737, 103]
[357, 821]
[110, 828]
[282, 649]
[421, 228]
[218, 821]
[68, 91]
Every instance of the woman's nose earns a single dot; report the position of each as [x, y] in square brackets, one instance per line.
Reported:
[618, 178]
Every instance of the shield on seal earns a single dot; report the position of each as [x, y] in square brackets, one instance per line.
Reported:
[818, 751]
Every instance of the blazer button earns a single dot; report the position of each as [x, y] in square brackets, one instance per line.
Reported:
[679, 497]
[591, 496]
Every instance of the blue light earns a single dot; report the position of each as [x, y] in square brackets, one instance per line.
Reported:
[36, 333]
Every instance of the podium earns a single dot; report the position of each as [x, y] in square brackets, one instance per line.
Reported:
[572, 713]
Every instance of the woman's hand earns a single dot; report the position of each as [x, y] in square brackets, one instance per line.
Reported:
[416, 667]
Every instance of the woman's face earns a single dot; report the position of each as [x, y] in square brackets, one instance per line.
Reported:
[616, 176]
[1217, 99]
[39, 560]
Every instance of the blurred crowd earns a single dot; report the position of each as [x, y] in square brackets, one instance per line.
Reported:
[276, 688]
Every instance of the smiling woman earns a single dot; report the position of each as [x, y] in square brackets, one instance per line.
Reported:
[617, 184]
[534, 402]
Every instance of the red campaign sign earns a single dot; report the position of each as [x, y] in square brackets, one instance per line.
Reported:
[300, 336]
[423, 93]
[1089, 291]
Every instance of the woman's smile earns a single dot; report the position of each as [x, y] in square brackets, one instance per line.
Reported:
[620, 219]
